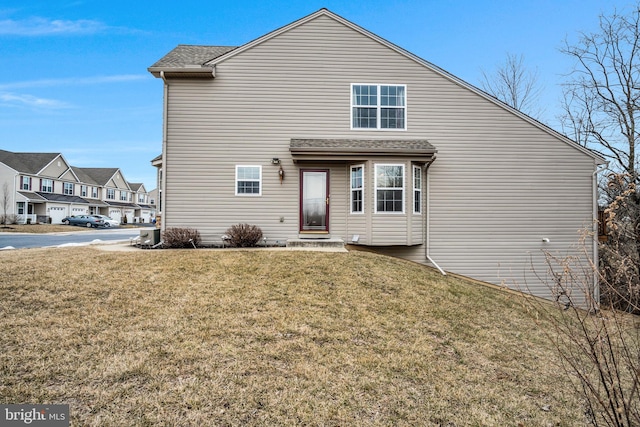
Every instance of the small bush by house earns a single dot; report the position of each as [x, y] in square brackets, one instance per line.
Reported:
[181, 237]
[244, 235]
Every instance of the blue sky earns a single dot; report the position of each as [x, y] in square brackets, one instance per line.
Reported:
[74, 80]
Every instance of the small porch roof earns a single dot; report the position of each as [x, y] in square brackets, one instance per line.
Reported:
[96, 202]
[32, 197]
[122, 204]
[358, 149]
[62, 198]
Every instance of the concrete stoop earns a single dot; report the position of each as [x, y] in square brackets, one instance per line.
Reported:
[331, 243]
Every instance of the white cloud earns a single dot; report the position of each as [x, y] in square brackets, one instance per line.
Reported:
[74, 81]
[30, 101]
[38, 26]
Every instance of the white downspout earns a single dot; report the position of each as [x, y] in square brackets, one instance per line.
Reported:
[165, 131]
[596, 284]
[435, 264]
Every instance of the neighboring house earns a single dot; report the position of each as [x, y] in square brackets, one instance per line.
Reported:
[45, 188]
[143, 211]
[321, 129]
[157, 193]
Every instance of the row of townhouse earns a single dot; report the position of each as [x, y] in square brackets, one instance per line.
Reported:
[45, 188]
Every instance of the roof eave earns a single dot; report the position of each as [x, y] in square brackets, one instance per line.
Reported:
[195, 71]
[333, 154]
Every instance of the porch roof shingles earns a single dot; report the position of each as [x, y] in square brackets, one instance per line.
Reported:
[184, 57]
[337, 148]
[32, 197]
[53, 197]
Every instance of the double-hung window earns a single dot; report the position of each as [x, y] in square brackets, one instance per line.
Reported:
[123, 196]
[46, 186]
[111, 193]
[378, 106]
[417, 189]
[26, 183]
[83, 190]
[248, 180]
[389, 182]
[357, 189]
[67, 188]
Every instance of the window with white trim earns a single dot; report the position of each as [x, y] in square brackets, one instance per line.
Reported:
[111, 193]
[83, 190]
[20, 208]
[417, 189]
[357, 189]
[123, 196]
[389, 183]
[94, 192]
[67, 188]
[46, 186]
[26, 183]
[378, 106]
[248, 180]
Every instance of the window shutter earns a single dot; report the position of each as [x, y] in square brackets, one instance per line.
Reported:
[30, 179]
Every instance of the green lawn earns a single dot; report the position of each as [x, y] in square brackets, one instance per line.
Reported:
[236, 338]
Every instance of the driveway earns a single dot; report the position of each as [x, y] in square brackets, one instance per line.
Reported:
[71, 238]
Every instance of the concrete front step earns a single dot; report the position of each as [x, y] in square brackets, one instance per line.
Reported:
[333, 242]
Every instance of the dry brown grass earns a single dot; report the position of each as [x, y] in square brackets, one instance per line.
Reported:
[236, 338]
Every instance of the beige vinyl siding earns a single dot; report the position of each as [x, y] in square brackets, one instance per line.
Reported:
[56, 168]
[498, 186]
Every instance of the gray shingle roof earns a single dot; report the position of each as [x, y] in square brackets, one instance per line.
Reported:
[32, 197]
[30, 163]
[189, 55]
[99, 176]
[61, 198]
[83, 176]
[363, 145]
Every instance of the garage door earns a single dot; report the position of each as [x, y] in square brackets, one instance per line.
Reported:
[116, 214]
[56, 213]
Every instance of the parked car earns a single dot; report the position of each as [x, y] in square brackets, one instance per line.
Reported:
[84, 220]
[108, 221]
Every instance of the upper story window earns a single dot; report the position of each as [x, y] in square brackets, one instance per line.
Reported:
[94, 192]
[83, 190]
[417, 189]
[378, 106]
[357, 189]
[248, 180]
[46, 185]
[123, 196]
[67, 188]
[25, 183]
[389, 182]
[111, 193]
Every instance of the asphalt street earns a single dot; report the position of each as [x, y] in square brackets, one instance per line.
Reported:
[71, 238]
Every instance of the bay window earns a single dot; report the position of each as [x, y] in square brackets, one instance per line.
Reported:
[389, 184]
[357, 189]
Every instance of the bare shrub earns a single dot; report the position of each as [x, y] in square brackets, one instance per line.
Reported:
[598, 346]
[181, 237]
[244, 235]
